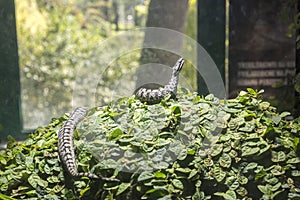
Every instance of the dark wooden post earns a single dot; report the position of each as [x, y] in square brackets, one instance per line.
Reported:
[10, 117]
[297, 95]
[211, 35]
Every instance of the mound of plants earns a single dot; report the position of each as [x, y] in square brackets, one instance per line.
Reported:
[189, 148]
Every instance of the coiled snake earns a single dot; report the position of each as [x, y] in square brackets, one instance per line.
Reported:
[66, 132]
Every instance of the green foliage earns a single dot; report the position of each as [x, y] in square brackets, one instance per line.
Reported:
[190, 148]
[59, 43]
[51, 50]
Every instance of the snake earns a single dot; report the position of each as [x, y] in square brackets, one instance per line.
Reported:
[66, 132]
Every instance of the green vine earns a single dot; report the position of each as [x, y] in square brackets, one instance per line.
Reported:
[190, 148]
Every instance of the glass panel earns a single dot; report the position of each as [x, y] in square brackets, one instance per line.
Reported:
[262, 49]
[87, 52]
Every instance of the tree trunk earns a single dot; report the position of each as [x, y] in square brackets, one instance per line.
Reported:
[10, 120]
[169, 14]
[116, 14]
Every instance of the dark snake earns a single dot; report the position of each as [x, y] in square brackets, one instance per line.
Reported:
[66, 132]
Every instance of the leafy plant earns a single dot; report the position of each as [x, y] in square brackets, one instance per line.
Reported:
[190, 148]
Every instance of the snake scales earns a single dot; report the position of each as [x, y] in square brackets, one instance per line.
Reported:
[66, 132]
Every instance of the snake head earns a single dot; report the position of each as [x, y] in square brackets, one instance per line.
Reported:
[178, 66]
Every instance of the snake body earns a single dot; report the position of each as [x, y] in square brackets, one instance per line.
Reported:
[66, 146]
[66, 132]
[152, 96]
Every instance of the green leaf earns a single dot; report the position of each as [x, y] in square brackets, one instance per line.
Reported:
[168, 197]
[176, 109]
[219, 174]
[242, 191]
[252, 91]
[247, 128]
[249, 151]
[57, 188]
[4, 197]
[145, 176]
[47, 169]
[216, 149]
[271, 179]
[278, 156]
[264, 105]
[31, 193]
[115, 134]
[3, 160]
[284, 114]
[177, 183]
[53, 179]
[34, 180]
[160, 175]
[208, 162]
[20, 158]
[275, 187]
[182, 154]
[276, 119]
[229, 195]
[209, 97]
[28, 160]
[183, 170]
[210, 116]
[243, 180]
[293, 160]
[277, 170]
[265, 189]
[122, 188]
[234, 185]
[295, 173]
[192, 173]
[40, 143]
[260, 174]
[225, 160]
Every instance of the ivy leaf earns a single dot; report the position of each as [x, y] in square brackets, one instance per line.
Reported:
[219, 174]
[225, 160]
[216, 149]
[145, 176]
[192, 173]
[252, 91]
[4, 197]
[276, 119]
[242, 191]
[278, 156]
[176, 109]
[229, 195]
[34, 180]
[293, 160]
[249, 151]
[122, 188]
[284, 114]
[265, 189]
[115, 134]
[20, 158]
[295, 172]
[160, 175]
[177, 183]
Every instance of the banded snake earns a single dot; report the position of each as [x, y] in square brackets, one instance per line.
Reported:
[66, 132]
